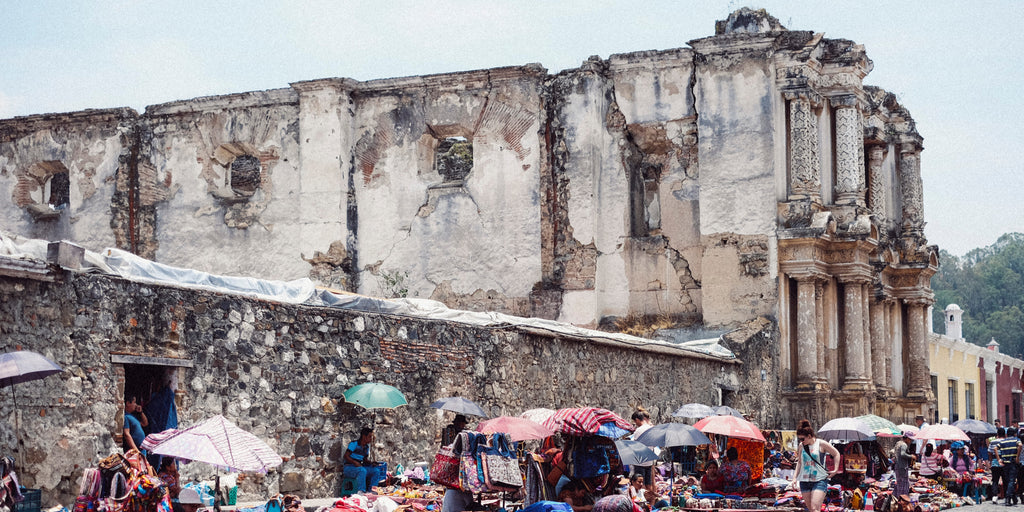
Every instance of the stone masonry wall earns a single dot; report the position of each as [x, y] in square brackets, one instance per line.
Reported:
[279, 371]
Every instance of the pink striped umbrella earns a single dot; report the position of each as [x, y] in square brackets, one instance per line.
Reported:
[215, 441]
[586, 421]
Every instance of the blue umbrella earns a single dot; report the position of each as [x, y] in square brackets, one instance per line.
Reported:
[459, 405]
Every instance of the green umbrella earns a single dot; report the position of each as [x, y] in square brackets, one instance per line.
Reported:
[374, 395]
[880, 425]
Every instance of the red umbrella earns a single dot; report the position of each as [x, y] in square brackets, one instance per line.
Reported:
[942, 433]
[518, 429]
[730, 426]
[588, 421]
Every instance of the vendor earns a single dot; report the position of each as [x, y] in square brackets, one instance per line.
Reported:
[635, 491]
[736, 472]
[713, 480]
[188, 501]
[134, 422]
[169, 474]
[575, 494]
[450, 432]
[358, 464]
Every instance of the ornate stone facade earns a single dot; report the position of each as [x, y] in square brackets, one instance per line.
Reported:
[749, 178]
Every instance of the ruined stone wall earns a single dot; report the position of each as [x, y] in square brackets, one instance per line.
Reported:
[279, 371]
[80, 152]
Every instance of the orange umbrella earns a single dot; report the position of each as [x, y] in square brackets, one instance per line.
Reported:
[730, 426]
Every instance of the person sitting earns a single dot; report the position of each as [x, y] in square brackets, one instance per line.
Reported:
[169, 474]
[961, 462]
[713, 480]
[188, 501]
[575, 494]
[736, 472]
[931, 463]
[358, 464]
[635, 491]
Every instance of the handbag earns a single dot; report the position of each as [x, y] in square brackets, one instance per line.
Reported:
[854, 460]
[115, 503]
[469, 464]
[445, 469]
[501, 467]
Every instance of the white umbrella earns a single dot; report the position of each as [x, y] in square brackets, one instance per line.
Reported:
[694, 411]
[539, 415]
[215, 441]
[846, 429]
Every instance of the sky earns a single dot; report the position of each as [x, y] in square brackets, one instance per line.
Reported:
[957, 66]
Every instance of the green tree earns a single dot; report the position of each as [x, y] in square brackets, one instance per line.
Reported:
[988, 283]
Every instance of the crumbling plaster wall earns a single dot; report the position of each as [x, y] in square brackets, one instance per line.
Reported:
[188, 147]
[456, 240]
[91, 145]
[627, 131]
[738, 122]
[279, 371]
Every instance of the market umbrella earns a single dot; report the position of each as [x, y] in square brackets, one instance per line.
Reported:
[975, 427]
[586, 421]
[694, 411]
[880, 426]
[725, 410]
[23, 366]
[218, 442]
[846, 429]
[374, 395]
[518, 429]
[634, 452]
[942, 433]
[673, 434]
[459, 405]
[907, 428]
[539, 415]
[730, 426]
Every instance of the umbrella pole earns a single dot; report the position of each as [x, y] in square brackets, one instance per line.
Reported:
[17, 429]
[216, 492]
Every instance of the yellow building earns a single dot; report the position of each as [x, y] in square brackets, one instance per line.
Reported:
[955, 374]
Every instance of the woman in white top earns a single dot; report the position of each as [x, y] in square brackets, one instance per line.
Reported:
[811, 472]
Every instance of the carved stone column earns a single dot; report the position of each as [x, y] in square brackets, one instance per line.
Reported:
[865, 297]
[806, 334]
[919, 381]
[876, 185]
[804, 165]
[910, 186]
[879, 340]
[849, 153]
[853, 313]
[819, 314]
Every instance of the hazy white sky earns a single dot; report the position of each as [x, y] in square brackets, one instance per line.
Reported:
[957, 66]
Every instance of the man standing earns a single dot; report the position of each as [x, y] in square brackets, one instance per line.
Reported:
[996, 463]
[902, 462]
[451, 432]
[919, 444]
[358, 464]
[1009, 455]
[133, 433]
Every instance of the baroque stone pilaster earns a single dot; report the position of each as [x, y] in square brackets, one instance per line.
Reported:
[849, 156]
[807, 334]
[804, 165]
[879, 340]
[865, 297]
[910, 186]
[876, 187]
[853, 325]
[819, 314]
[919, 382]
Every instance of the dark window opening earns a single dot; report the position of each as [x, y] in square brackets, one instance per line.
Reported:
[454, 159]
[60, 190]
[145, 383]
[245, 175]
